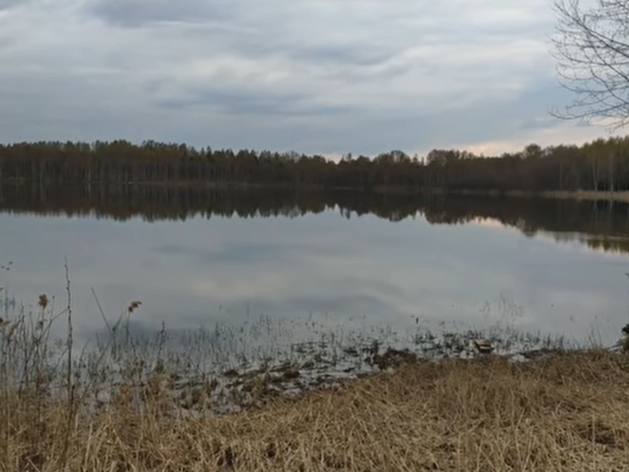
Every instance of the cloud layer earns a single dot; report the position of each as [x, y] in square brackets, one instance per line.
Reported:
[311, 75]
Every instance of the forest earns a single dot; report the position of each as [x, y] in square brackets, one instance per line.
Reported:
[600, 165]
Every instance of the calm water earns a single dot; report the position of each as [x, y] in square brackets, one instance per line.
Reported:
[549, 266]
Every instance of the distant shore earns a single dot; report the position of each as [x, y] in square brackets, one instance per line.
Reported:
[621, 196]
[398, 190]
[618, 196]
[533, 171]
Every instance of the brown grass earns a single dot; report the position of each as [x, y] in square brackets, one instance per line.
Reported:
[589, 195]
[619, 196]
[566, 413]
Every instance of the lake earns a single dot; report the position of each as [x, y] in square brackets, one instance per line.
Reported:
[339, 261]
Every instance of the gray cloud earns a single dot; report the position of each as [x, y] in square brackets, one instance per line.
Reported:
[6, 4]
[234, 102]
[356, 54]
[136, 13]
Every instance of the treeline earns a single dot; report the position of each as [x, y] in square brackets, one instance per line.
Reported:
[597, 224]
[598, 165]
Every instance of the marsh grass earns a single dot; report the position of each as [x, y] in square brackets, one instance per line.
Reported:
[252, 397]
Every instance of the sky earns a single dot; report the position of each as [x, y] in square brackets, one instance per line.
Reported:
[314, 76]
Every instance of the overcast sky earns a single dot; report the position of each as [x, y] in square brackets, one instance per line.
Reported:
[315, 76]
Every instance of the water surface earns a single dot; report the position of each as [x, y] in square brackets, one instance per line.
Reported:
[194, 259]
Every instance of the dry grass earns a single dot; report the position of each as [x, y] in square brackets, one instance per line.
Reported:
[619, 196]
[592, 195]
[565, 413]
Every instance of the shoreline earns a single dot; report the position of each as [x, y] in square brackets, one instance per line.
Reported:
[592, 195]
[617, 196]
[334, 403]
[554, 414]
[589, 195]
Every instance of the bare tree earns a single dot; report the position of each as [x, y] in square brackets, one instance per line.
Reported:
[591, 46]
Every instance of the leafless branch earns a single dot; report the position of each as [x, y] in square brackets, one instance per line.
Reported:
[591, 46]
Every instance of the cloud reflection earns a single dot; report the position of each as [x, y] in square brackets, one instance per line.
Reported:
[201, 271]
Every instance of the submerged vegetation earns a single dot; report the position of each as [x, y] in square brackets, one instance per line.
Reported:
[597, 166]
[209, 400]
[226, 362]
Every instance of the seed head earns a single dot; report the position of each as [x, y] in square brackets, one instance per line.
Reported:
[134, 306]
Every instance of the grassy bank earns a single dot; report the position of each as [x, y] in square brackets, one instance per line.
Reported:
[559, 411]
[131, 404]
[563, 413]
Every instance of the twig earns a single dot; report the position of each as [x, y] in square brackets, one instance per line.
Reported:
[71, 406]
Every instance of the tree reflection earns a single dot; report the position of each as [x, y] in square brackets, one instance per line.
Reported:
[600, 225]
